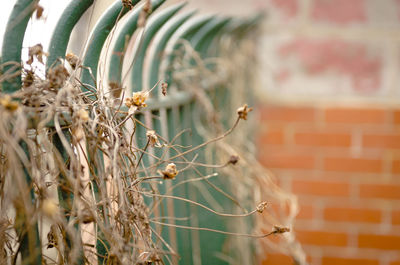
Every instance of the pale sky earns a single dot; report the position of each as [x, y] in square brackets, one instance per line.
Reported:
[38, 31]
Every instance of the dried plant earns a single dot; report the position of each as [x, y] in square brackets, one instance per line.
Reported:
[81, 165]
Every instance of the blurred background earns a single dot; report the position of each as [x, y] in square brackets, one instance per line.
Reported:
[329, 116]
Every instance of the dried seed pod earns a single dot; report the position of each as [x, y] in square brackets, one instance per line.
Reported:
[243, 111]
[82, 115]
[164, 87]
[29, 78]
[153, 139]
[233, 159]
[49, 207]
[52, 237]
[127, 4]
[147, 6]
[72, 59]
[57, 76]
[36, 51]
[170, 171]
[87, 216]
[8, 104]
[261, 207]
[39, 11]
[78, 133]
[280, 229]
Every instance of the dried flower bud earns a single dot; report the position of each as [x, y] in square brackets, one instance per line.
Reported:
[78, 133]
[153, 139]
[170, 171]
[82, 115]
[280, 229]
[8, 104]
[147, 6]
[39, 11]
[127, 4]
[29, 78]
[86, 216]
[49, 207]
[233, 159]
[72, 59]
[164, 87]
[52, 237]
[37, 51]
[137, 100]
[261, 207]
[57, 76]
[243, 111]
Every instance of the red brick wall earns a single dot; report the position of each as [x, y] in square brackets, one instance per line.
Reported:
[343, 163]
[344, 166]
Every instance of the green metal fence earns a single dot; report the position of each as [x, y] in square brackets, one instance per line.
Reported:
[157, 48]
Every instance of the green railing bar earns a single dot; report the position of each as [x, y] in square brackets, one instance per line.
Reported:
[117, 56]
[97, 39]
[12, 42]
[204, 37]
[186, 31]
[11, 52]
[30, 241]
[153, 25]
[65, 195]
[62, 32]
[243, 26]
[156, 53]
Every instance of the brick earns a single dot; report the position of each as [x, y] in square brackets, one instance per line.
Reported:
[320, 188]
[322, 238]
[348, 261]
[286, 160]
[353, 165]
[287, 114]
[387, 242]
[288, 7]
[305, 212]
[396, 117]
[339, 11]
[275, 258]
[352, 215]
[347, 60]
[396, 217]
[395, 262]
[382, 140]
[355, 116]
[272, 137]
[323, 139]
[380, 191]
[396, 167]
